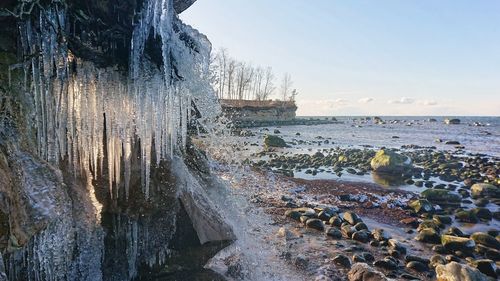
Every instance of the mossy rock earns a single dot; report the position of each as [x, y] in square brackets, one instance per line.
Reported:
[442, 220]
[390, 162]
[482, 213]
[455, 243]
[421, 206]
[274, 141]
[428, 235]
[441, 196]
[479, 190]
[466, 216]
[486, 240]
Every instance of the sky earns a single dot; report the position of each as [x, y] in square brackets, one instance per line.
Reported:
[384, 57]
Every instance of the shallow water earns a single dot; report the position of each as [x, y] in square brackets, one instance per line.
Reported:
[356, 133]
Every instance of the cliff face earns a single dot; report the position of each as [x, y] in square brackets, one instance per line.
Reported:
[259, 111]
[87, 190]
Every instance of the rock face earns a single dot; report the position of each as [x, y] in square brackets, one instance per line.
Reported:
[75, 223]
[389, 162]
[259, 111]
[454, 271]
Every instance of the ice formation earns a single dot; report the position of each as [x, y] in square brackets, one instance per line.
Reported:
[81, 115]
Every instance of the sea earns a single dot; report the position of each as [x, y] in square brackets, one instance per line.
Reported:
[477, 134]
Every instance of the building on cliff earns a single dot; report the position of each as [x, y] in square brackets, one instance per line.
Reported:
[259, 111]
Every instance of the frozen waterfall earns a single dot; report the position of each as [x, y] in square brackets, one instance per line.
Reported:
[83, 113]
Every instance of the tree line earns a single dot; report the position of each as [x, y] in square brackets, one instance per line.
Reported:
[237, 80]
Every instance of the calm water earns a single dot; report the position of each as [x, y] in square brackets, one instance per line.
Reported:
[410, 130]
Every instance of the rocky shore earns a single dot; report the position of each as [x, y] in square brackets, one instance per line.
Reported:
[444, 223]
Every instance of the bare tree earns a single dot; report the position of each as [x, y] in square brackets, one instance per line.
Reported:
[293, 95]
[268, 87]
[244, 75]
[222, 58]
[257, 83]
[231, 68]
[286, 84]
[232, 79]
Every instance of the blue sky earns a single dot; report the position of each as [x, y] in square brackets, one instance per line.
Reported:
[384, 57]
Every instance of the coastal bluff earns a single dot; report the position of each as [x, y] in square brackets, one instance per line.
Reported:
[255, 113]
[260, 111]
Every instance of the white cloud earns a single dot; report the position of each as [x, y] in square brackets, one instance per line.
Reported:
[366, 100]
[340, 101]
[428, 102]
[403, 100]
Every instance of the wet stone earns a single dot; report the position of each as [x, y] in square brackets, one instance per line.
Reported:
[386, 263]
[380, 235]
[315, 224]
[454, 243]
[293, 214]
[485, 240]
[335, 221]
[394, 244]
[486, 266]
[361, 226]
[428, 235]
[436, 260]
[301, 261]
[342, 261]
[410, 258]
[364, 272]
[352, 218]
[417, 266]
[333, 233]
[358, 258]
[362, 236]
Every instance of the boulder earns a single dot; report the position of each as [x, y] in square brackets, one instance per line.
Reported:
[479, 190]
[273, 141]
[316, 224]
[417, 266]
[293, 214]
[482, 213]
[441, 196]
[486, 266]
[394, 244]
[335, 221]
[428, 235]
[454, 243]
[342, 261]
[454, 271]
[364, 272]
[386, 263]
[352, 218]
[442, 220]
[389, 162]
[380, 235]
[362, 236]
[437, 260]
[453, 121]
[466, 216]
[485, 240]
[333, 233]
[421, 206]
[361, 226]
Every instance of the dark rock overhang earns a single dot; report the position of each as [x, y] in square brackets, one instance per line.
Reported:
[98, 30]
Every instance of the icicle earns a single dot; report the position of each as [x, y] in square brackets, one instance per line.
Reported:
[73, 113]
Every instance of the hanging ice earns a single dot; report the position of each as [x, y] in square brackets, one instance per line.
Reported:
[75, 110]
